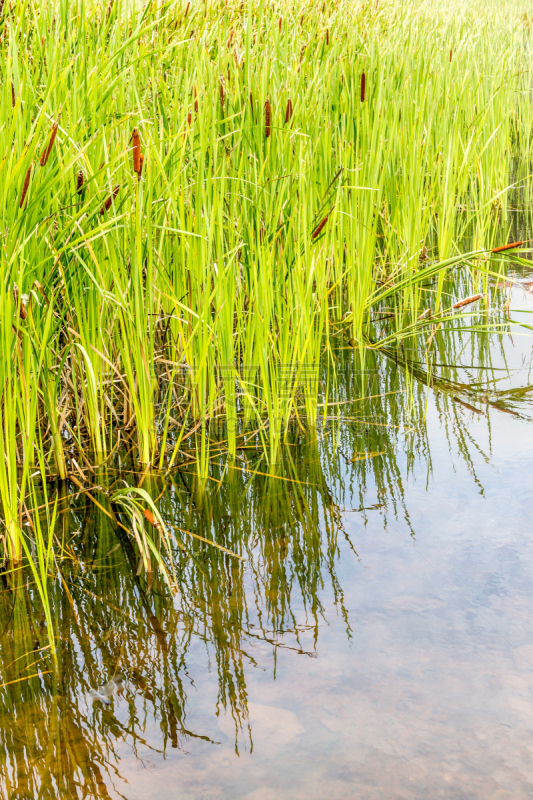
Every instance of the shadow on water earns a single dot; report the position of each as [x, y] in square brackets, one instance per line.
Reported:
[284, 586]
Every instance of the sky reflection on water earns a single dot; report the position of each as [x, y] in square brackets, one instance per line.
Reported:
[376, 640]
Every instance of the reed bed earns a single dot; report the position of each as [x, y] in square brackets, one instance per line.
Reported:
[198, 199]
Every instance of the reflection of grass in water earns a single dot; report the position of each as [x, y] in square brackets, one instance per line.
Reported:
[110, 617]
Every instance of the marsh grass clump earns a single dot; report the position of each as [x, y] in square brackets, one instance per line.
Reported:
[206, 293]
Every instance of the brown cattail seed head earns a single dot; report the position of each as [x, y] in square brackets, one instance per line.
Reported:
[107, 204]
[451, 54]
[222, 91]
[136, 150]
[252, 104]
[318, 230]
[48, 149]
[327, 37]
[13, 99]
[288, 111]
[149, 516]
[230, 39]
[268, 119]
[25, 186]
[187, 9]
[363, 87]
[79, 182]
[280, 23]
[23, 312]
[195, 100]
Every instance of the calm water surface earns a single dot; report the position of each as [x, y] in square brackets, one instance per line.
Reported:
[376, 640]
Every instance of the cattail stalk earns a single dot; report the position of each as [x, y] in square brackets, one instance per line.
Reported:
[136, 150]
[288, 111]
[107, 204]
[509, 246]
[467, 301]
[47, 150]
[268, 119]
[23, 312]
[319, 228]
[25, 186]
[363, 87]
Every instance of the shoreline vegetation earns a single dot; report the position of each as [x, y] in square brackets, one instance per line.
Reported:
[201, 202]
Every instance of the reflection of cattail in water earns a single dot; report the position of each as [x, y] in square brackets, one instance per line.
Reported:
[363, 87]
[79, 182]
[25, 186]
[47, 150]
[136, 150]
[288, 111]
[318, 230]
[107, 204]
[268, 119]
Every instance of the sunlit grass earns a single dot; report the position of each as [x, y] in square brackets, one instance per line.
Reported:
[196, 196]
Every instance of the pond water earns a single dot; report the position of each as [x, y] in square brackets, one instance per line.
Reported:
[375, 640]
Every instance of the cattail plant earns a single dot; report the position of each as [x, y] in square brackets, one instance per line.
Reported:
[451, 55]
[363, 87]
[252, 105]
[136, 150]
[319, 228]
[280, 23]
[48, 149]
[79, 182]
[288, 111]
[230, 38]
[268, 119]
[222, 91]
[195, 100]
[22, 312]
[107, 204]
[327, 37]
[187, 10]
[13, 98]
[25, 186]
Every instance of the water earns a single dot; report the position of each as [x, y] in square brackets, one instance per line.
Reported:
[375, 641]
